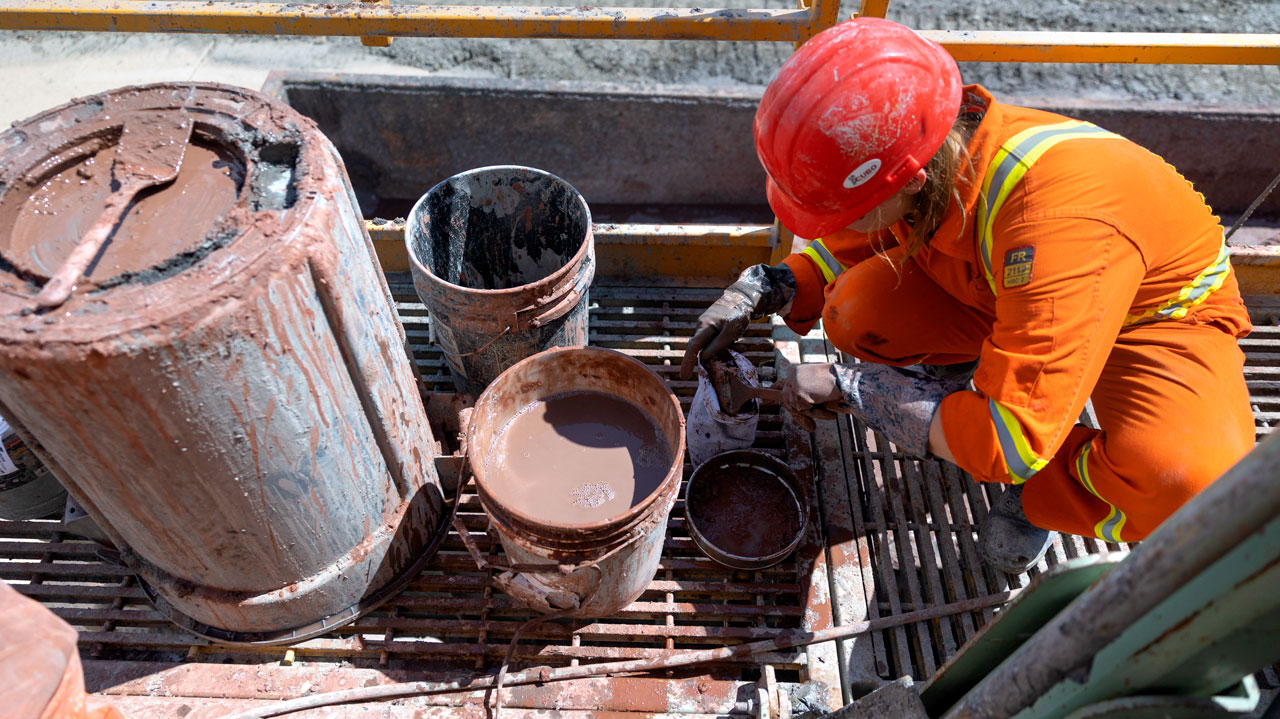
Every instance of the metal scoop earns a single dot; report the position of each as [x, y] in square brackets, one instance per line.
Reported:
[150, 153]
[732, 392]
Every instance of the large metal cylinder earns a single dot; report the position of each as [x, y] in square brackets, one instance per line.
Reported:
[228, 394]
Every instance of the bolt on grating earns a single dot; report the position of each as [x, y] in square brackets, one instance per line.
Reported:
[451, 619]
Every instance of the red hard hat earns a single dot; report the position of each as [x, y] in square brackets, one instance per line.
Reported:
[849, 119]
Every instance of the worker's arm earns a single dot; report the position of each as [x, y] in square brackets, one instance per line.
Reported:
[819, 264]
[795, 288]
[1053, 333]
[759, 291]
[899, 404]
[1063, 288]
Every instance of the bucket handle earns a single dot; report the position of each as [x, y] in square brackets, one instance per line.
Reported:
[486, 345]
[511, 574]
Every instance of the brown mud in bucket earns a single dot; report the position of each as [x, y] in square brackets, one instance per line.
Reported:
[577, 455]
[502, 257]
[745, 509]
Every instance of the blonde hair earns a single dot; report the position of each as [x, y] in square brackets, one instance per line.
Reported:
[943, 173]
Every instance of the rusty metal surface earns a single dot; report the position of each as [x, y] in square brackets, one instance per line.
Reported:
[452, 621]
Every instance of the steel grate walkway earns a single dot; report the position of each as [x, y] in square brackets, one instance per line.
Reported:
[451, 621]
[889, 535]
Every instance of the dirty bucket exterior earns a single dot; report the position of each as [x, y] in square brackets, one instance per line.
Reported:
[239, 417]
[595, 569]
[28, 490]
[503, 258]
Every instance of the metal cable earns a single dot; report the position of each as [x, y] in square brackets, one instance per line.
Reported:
[1252, 207]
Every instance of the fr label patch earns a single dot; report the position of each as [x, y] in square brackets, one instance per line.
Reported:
[1017, 266]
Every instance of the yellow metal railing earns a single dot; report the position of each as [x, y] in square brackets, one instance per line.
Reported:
[377, 21]
[384, 20]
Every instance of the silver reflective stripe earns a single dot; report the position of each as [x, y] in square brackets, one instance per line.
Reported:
[836, 266]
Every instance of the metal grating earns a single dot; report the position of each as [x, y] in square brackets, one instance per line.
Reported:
[911, 527]
[893, 535]
[451, 620]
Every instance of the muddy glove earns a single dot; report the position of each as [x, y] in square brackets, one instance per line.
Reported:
[812, 392]
[760, 291]
[900, 405]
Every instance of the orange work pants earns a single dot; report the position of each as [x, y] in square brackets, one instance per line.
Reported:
[1171, 401]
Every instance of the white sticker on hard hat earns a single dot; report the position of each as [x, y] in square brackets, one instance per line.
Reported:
[865, 171]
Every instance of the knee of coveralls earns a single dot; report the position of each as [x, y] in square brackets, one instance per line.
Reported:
[1175, 416]
[888, 311]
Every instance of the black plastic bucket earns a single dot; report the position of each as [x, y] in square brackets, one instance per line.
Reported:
[502, 257]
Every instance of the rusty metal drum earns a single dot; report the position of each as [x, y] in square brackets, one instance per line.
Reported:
[503, 258]
[592, 568]
[227, 392]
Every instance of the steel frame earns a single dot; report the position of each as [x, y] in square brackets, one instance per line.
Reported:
[377, 22]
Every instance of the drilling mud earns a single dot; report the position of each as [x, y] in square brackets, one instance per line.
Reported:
[577, 454]
[745, 509]
[162, 222]
[578, 458]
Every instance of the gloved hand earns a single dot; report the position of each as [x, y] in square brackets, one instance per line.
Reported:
[900, 405]
[811, 392]
[759, 291]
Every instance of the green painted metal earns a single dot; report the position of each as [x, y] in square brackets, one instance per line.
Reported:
[1222, 625]
[1240, 700]
[1047, 595]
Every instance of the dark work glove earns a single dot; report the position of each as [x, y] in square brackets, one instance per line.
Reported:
[900, 405]
[760, 290]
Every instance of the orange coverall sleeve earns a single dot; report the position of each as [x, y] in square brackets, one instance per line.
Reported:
[849, 248]
[1051, 339]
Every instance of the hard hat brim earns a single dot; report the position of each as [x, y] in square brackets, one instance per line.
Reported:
[803, 223]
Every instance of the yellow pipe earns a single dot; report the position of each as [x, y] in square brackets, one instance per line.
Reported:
[376, 19]
[1118, 47]
[873, 8]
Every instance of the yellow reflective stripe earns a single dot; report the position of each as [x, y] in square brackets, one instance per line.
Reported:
[1111, 526]
[1195, 292]
[1021, 462]
[827, 263]
[1007, 169]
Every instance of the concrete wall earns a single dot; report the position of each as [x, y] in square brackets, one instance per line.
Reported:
[687, 145]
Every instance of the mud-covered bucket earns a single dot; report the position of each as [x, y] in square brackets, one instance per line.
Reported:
[577, 455]
[502, 257]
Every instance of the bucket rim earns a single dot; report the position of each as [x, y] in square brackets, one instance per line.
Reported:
[555, 279]
[766, 461]
[605, 529]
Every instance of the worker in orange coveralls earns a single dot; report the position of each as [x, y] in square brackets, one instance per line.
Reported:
[1063, 261]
